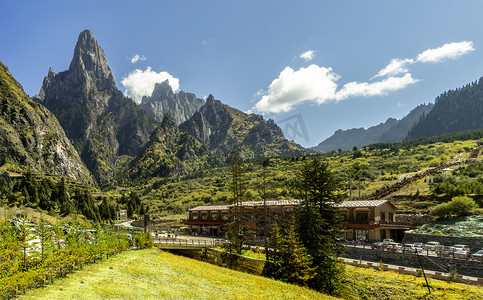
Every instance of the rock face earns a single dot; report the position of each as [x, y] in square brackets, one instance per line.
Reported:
[391, 131]
[31, 136]
[225, 130]
[102, 124]
[180, 106]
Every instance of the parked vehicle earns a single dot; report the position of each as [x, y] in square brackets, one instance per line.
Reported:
[478, 255]
[446, 251]
[378, 245]
[418, 245]
[462, 254]
[394, 246]
[461, 248]
[433, 246]
[387, 241]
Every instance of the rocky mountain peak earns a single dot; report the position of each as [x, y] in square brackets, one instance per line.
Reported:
[210, 99]
[51, 74]
[181, 106]
[89, 65]
[163, 89]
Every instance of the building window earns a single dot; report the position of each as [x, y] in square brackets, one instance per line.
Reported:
[383, 216]
[362, 217]
[361, 235]
[391, 217]
[194, 216]
[225, 216]
[204, 216]
[214, 216]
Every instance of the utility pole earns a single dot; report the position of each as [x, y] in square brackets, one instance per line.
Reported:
[421, 265]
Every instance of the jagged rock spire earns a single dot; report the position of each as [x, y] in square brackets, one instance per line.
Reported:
[89, 64]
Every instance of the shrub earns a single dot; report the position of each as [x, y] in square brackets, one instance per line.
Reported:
[457, 207]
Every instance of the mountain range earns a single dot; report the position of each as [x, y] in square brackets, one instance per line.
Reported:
[391, 131]
[116, 136]
[83, 127]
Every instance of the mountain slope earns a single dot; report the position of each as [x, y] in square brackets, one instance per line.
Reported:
[392, 131]
[31, 136]
[225, 130]
[399, 131]
[102, 124]
[180, 106]
[169, 152]
[456, 110]
[347, 139]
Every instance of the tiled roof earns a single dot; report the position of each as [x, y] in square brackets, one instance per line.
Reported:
[211, 207]
[345, 204]
[271, 203]
[361, 203]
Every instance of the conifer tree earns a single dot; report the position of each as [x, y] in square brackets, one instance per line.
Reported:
[319, 222]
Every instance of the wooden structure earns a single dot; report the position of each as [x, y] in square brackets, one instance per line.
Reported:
[365, 220]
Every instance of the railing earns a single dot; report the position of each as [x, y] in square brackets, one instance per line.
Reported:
[209, 221]
[407, 250]
[183, 242]
[378, 222]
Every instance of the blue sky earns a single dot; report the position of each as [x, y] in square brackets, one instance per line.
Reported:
[329, 64]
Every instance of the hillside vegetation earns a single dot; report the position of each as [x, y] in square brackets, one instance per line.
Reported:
[376, 166]
[150, 274]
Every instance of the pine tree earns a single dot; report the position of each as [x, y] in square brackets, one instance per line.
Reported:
[319, 223]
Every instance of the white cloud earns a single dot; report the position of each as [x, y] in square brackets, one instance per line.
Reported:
[378, 88]
[319, 85]
[293, 87]
[395, 67]
[141, 83]
[308, 55]
[447, 51]
[137, 58]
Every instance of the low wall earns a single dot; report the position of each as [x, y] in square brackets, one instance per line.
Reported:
[475, 244]
[464, 267]
[224, 259]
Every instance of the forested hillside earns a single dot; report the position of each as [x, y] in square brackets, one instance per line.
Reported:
[454, 110]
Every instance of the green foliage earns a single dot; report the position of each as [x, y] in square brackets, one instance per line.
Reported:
[454, 111]
[457, 207]
[24, 265]
[319, 223]
[287, 258]
[143, 240]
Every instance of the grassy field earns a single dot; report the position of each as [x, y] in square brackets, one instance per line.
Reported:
[364, 283]
[151, 274]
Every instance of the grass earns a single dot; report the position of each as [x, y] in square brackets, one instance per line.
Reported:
[151, 274]
[364, 283]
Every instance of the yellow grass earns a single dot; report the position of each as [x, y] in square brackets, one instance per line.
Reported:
[151, 274]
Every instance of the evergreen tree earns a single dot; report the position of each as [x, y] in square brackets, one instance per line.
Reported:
[287, 258]
[319, 222]
[63, 198]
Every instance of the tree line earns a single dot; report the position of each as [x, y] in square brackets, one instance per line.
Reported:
[59, 197]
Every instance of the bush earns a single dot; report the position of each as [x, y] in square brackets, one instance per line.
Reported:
[457, 207]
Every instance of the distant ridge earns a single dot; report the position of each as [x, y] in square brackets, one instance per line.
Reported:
[391, 131]
[454, 111]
